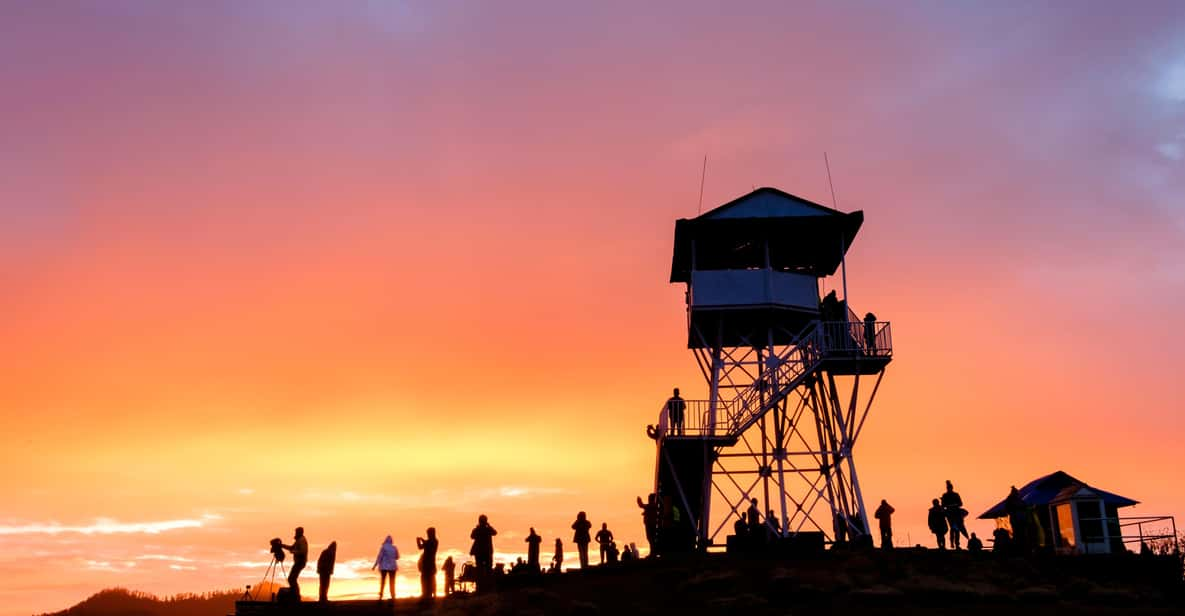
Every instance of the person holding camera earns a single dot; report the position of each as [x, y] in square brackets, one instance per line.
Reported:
[428, 565]
[300, 557]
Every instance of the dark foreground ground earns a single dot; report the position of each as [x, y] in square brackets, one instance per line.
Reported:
[899, 582]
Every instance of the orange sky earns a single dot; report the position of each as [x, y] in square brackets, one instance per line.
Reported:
[373, 269]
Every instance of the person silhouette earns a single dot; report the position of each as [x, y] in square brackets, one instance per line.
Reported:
[387, 563]
[557, 560]
[974, 544]
[675, 408]
[1017, 519]
[884, 516]
[428, 564]
[300, 558]
[650, 518]
[533, 540]
[754, 518]
[325, 564]
[604, 540]
[483, 544]
[772, 520]
[840, 524]
[582, 537]
[1001, 541]
[952, 504]
[450, 580]
[936, 520]
[870, 334]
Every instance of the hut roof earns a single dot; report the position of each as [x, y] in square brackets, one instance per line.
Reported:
[1043, 490]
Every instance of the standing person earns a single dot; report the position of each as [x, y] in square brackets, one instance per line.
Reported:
[325, 564]
[1016, 508]
[753, 516]
[387, 563]
[840, 524]
[675, 408]
[884, 516]
[300, 558]
[450, 580]
[557, 561]
[533, 540]
[582, 537]
[870, 334]
[650, 518]
[483, 544]
[428, 564]
[936, 520]
[952, 504]
[604, 540]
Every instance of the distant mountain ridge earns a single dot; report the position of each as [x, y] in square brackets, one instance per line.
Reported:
[124, 602]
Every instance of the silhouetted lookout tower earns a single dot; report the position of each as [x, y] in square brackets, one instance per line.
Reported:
[782, 365]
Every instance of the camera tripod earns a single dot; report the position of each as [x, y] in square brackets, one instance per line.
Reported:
[269, 576]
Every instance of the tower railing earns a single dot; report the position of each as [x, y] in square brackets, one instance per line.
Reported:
[781, 374]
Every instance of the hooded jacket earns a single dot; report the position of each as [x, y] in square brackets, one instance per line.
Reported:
[388, 559]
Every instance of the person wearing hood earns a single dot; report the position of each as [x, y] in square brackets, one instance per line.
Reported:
[387, 563]
[533, 541]
[325, 569]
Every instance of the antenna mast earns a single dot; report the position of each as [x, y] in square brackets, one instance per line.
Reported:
[702, 174]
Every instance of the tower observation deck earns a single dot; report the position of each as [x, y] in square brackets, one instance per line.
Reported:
[783, 365]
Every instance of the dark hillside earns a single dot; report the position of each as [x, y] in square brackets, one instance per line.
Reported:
[123, 602]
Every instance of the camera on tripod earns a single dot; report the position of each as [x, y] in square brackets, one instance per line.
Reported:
[277, 549]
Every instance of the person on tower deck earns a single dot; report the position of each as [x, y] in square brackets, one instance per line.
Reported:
[936, 520]
[483, 545]
[557, 560]
[884, 516]
[387, 563]
[772, 520]
[675, 408]
[753, 516]
[450, 576]
[428, 564]
[870, 334]
[300, 558]
[582, 537]
[952, 503]
[533, 540]
[650, 518]
[325, 564]
[605, 540]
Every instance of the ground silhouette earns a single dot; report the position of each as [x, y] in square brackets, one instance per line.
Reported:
[124, 602]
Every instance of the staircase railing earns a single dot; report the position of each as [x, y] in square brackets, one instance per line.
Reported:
[779, 376]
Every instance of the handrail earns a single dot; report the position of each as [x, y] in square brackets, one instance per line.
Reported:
[818, 341]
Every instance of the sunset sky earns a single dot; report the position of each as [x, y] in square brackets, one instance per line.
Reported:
[370, 266]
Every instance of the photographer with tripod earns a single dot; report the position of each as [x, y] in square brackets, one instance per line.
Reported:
[300, 557]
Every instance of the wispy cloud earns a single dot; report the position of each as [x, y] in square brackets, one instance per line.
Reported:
[108, 526]
[437, 498]
[165, 557]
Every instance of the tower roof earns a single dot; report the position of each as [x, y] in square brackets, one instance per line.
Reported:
[804, 236]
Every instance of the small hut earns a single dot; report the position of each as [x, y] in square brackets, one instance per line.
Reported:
[1074, 516]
